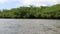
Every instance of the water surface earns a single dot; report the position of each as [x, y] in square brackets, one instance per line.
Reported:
[29, 26]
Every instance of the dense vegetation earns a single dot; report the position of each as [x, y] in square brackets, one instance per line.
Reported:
[32, 12]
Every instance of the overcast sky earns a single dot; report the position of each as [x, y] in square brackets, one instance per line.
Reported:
[8, 4]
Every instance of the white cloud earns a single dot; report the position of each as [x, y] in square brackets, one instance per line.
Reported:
[3, 1]
[6, 1]
[33, 2]
[38, 2]
[29, 2]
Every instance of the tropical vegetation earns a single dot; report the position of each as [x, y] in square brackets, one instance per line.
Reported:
[42, 12]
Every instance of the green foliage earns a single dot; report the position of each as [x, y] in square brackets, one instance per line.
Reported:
[32, 12]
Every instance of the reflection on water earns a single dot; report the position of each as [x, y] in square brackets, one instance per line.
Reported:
[29, 26]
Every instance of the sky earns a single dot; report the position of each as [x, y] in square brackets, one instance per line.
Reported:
[8, 4]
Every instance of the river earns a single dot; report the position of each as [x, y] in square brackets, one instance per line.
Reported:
[29, 26]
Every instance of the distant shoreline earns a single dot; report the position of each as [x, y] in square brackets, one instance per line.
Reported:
[29, 18]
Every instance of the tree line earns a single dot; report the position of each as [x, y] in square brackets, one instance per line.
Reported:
[42, 12]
